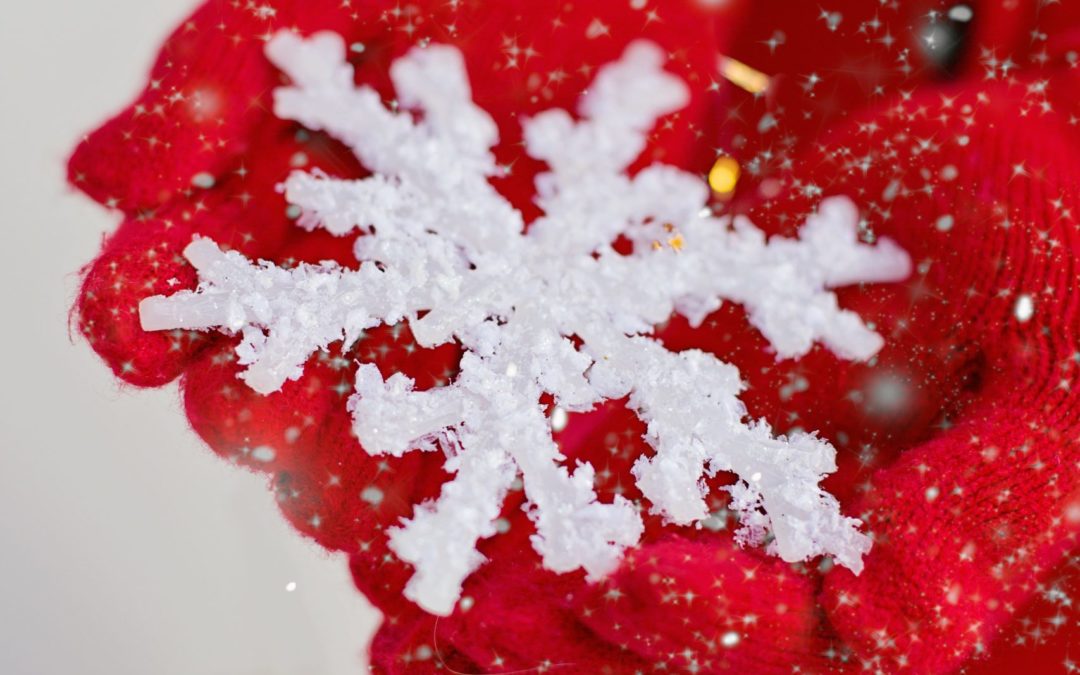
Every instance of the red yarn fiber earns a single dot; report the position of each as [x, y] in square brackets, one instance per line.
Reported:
[958, 444]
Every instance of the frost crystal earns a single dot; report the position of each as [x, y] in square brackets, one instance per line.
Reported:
[447, 253]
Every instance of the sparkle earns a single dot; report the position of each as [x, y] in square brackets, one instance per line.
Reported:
[743, 76]
[724, 175]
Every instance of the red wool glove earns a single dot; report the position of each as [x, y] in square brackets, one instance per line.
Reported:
[958, 443]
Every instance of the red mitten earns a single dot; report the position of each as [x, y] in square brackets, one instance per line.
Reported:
[200, 154]
[969, 523]
[705, 606]
[977, 180]
[965, 522]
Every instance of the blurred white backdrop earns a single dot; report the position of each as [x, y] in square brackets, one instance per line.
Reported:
[127, 547]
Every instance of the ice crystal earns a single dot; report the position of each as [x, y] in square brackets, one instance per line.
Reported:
[554, 309]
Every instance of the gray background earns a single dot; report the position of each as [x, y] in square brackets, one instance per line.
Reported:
[127, 547]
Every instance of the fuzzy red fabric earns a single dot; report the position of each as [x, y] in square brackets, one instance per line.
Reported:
[958, 444]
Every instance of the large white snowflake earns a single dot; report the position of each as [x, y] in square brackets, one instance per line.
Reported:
[447, 253]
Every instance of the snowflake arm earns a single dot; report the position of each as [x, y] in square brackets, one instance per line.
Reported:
[444, 251]
[285, 315]
[695, 423]
[445, 159]
[490, 423]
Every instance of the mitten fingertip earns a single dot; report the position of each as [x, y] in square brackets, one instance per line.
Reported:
[106, 315]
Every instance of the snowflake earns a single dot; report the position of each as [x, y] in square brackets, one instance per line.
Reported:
[554, 309]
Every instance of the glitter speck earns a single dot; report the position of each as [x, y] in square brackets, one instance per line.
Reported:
[724, 175]
[730, 639]
[290, 587]
[743, 76]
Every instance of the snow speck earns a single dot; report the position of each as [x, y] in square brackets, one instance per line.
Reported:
[1024, 308]
[263, 453]
[961, 13]
[559, 419]
[203, 180]
[372, 495]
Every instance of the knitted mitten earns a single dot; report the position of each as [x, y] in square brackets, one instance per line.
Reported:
[958, 442]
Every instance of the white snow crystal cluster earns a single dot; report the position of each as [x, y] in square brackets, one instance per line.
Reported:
[445, 252]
